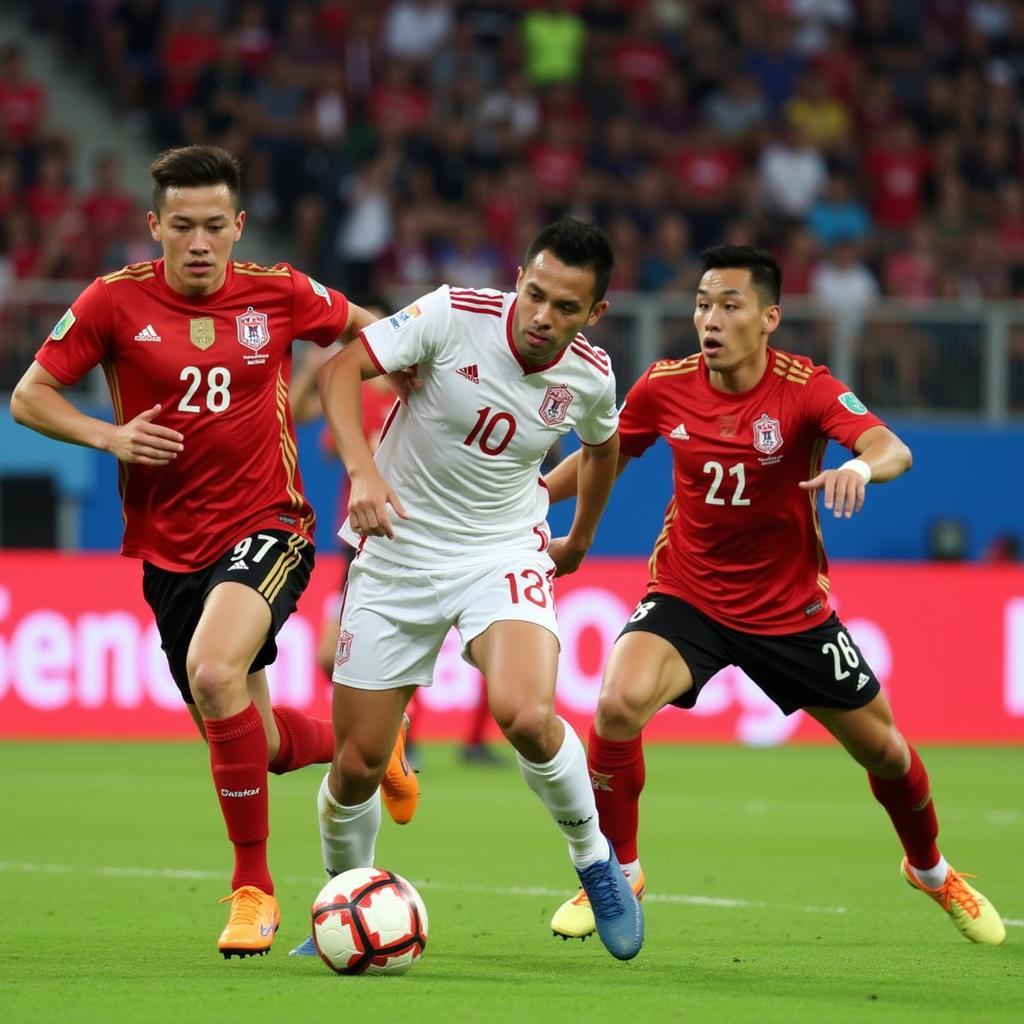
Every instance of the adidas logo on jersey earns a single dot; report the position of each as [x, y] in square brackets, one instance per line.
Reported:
[148, 334]
[470, 373]
[680, 434]
[240, 564]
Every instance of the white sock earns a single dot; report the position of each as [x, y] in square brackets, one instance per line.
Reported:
[348, 835]
[932, 877]
[563, 785]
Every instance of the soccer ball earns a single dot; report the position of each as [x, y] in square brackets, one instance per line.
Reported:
[369, 921]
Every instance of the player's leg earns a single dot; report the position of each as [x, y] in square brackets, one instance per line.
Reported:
[519, 660]
[365, 725]
[649, 667]
[232, 629]
[899, 781]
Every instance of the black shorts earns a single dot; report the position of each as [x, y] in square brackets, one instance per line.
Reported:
[275, 563]
[819, 667]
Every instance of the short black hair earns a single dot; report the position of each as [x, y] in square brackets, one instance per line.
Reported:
[577, 244]
[765, 272]
[192, 167]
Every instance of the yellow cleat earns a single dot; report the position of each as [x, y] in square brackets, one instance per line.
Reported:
[252, 923]
[971, 912]
[400, 788]
[574, 919]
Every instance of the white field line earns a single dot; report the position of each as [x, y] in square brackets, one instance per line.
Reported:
[218, 876]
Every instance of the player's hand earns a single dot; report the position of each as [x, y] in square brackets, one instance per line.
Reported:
[367, 507]
[405, 382]
[142, 441]
[843, 488]
[566, 554]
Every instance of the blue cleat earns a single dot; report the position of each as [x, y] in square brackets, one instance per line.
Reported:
[306, 948]
[617, 913]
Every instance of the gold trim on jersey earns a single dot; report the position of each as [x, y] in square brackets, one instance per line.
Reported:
[133, 272]
[817, 454]
[673, 367]
[662, 541]
[256, 270]
[798, 373]
[114, 387]
[290, 455]
[276, 578]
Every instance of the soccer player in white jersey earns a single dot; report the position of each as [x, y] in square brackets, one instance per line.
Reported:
[465, 542]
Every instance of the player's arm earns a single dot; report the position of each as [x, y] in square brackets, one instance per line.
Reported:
[880, 457]
[340, 384]
[597, 468]
[37, 403]
[563, 481]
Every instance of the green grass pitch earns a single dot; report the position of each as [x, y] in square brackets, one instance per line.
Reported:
[773, 879]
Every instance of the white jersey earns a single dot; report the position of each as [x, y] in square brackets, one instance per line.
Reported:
[464, 454]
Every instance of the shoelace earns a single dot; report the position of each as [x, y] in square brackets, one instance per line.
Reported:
[955, 888]
[245, 906]
[603, 893]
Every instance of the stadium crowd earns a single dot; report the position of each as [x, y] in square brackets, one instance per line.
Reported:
[874, 145]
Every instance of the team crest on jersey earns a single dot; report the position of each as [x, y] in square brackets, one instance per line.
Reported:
[254, 334]
[555, 404]
[767, 434]
[344, 651]
[200, 330]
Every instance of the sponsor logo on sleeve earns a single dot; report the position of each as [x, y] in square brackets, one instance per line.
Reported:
[320, 290]
[850, 401]
[404, 317]
[62, 326]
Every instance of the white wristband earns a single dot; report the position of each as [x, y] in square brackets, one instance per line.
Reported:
[860, 467]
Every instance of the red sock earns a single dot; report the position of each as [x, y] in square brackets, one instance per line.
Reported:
[304, 740]
[908, 802]
[617, 772]
[238, 761]
[481, 716]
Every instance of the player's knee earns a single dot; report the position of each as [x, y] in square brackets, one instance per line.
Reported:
[621, 714]
[213, 682]
[358, 767]
[891, 757]
[526, 727]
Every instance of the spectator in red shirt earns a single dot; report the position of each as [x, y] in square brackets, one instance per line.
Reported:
[897, 172]
[108, 210]
[23, 101]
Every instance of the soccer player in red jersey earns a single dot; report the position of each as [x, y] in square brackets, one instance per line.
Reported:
[196, 349]
[739, 574]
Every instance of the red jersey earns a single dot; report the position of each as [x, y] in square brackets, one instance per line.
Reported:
[742, 541]
[220, 366]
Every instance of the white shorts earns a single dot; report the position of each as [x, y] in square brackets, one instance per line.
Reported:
[394, 619]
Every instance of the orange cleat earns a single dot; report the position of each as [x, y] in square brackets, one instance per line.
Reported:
[252, 923]
[400, 788]
[971, 912]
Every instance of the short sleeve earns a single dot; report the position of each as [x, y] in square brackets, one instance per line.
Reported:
[602, 419]
[319, 313]
[81, 338]
[413, 335]
[839, 413]
[638, 425]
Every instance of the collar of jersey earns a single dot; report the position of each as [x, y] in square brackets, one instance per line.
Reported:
[194, 300]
